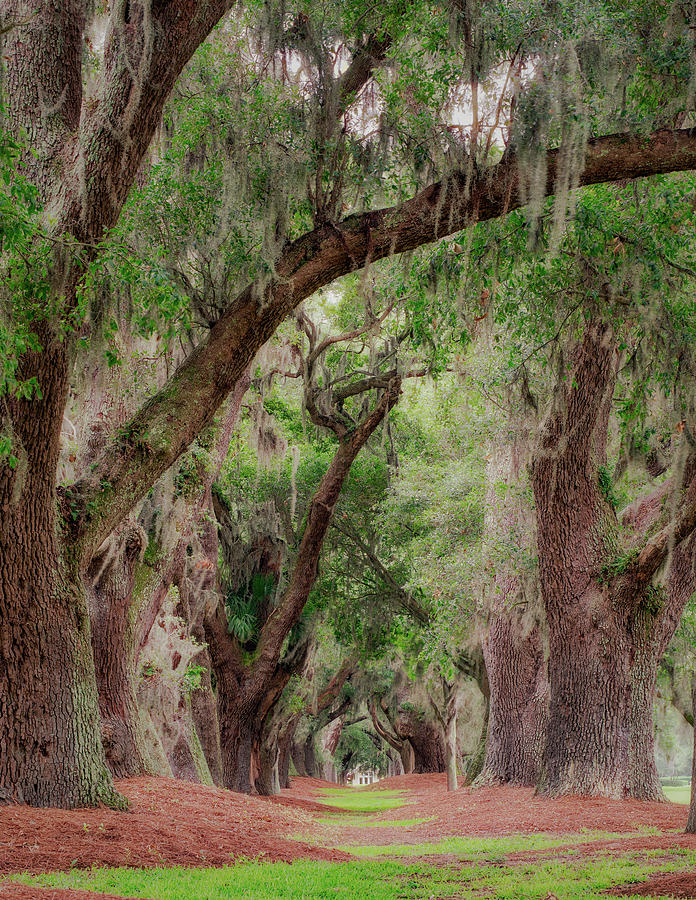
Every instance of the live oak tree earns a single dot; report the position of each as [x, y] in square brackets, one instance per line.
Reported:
[253, 670]
[86, 101]
[613, 583]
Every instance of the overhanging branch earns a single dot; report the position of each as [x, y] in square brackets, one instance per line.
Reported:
[169, 421]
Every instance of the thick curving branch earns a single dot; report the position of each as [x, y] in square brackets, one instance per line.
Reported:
[169, 421]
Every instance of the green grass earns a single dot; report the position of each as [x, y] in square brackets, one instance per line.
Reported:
[678, 794]
[361, 822]
[491, 849]
[252, 880]
[361, 801]
[568, 877]
[678, 790]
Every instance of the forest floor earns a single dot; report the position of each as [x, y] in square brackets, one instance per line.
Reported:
[405, 837]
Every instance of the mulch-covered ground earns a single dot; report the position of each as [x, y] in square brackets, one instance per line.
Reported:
[681, 884]
[179, 823]
[22, 892]
[169, 823]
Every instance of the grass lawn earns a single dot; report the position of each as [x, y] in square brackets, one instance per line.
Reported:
[361, 822]
[486, 849]
[678, 790]
[678, 794]
[361, 801]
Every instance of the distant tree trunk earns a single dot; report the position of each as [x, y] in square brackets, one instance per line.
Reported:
[516, 667]
[447, 717]
[475, 763]
[197, 581]
[267, 782]
[451, 738]
[691, 824]
[393, 738]
[394, 766]
[428, 747]
[111, 579]
[205, 720]
[408, 757]
[512, 647]
[297, 755]
[284, 757]
[310, 756]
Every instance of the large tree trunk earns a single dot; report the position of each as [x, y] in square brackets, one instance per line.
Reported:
[588, 748]
[51, 752]
[602, 675]
[608, 625]
[238, 732]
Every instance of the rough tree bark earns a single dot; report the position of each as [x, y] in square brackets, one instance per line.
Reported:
[516, 666]
[608, 623]
[49, 717]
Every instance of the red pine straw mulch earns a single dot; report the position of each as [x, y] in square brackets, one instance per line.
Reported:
[169, 823]
[22, 892]
[680, 884]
